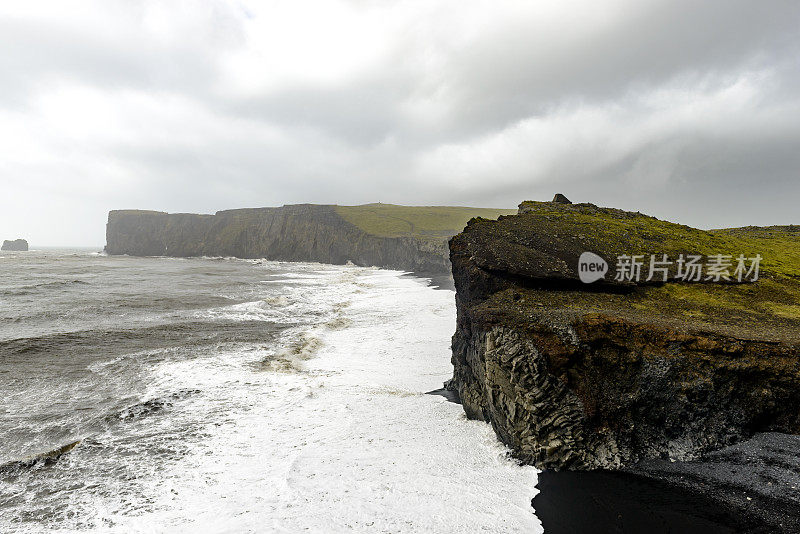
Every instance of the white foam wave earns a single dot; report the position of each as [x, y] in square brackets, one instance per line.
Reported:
[350, 444]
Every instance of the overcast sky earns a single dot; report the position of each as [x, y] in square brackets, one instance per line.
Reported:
[685, 110]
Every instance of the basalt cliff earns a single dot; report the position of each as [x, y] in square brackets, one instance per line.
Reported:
[382, 235]
[653, 374]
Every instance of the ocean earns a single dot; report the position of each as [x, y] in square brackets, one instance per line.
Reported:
[229, 395]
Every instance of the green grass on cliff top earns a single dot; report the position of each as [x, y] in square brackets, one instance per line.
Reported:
[773, 302]
[617, 232]
[390, 220]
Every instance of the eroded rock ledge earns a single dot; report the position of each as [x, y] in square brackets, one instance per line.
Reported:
[577, 376]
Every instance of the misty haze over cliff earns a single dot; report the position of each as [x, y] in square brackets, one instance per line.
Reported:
[684, 111]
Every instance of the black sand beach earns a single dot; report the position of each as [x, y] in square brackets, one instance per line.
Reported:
[616, 502]
[748, 487]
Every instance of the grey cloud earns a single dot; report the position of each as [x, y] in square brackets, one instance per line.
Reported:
[506, 76]
[363, 113]
[366, 136]
[41, 53]
[510, 74]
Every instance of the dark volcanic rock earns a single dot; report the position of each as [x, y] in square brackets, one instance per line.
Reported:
[45, 458]
[650, 377]
[602, 376]
[303, 232]
[17, 244]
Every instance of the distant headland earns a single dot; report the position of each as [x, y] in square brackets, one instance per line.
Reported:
[412, 238]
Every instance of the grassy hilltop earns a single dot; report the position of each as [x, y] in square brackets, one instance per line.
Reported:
[391, 220]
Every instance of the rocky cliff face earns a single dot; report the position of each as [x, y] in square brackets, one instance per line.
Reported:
[605, 375]
[290, 233]
[17, 244]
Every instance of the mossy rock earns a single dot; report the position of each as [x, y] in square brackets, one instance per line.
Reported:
[537, 251]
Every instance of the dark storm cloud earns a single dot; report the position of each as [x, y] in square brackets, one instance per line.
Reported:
[686, 110]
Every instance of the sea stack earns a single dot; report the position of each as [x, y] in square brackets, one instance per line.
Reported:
[17, 244]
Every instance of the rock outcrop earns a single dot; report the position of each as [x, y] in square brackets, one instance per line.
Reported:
[44, 458]
[609, 374]
[304, 232]
[17, 244]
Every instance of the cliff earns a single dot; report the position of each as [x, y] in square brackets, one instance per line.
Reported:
[604, 375]
[657, 403]
[17, 244]
[383, 235]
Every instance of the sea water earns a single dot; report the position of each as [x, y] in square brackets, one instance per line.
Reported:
[228, 395]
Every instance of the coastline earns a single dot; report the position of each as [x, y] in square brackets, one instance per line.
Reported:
[675, 498]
